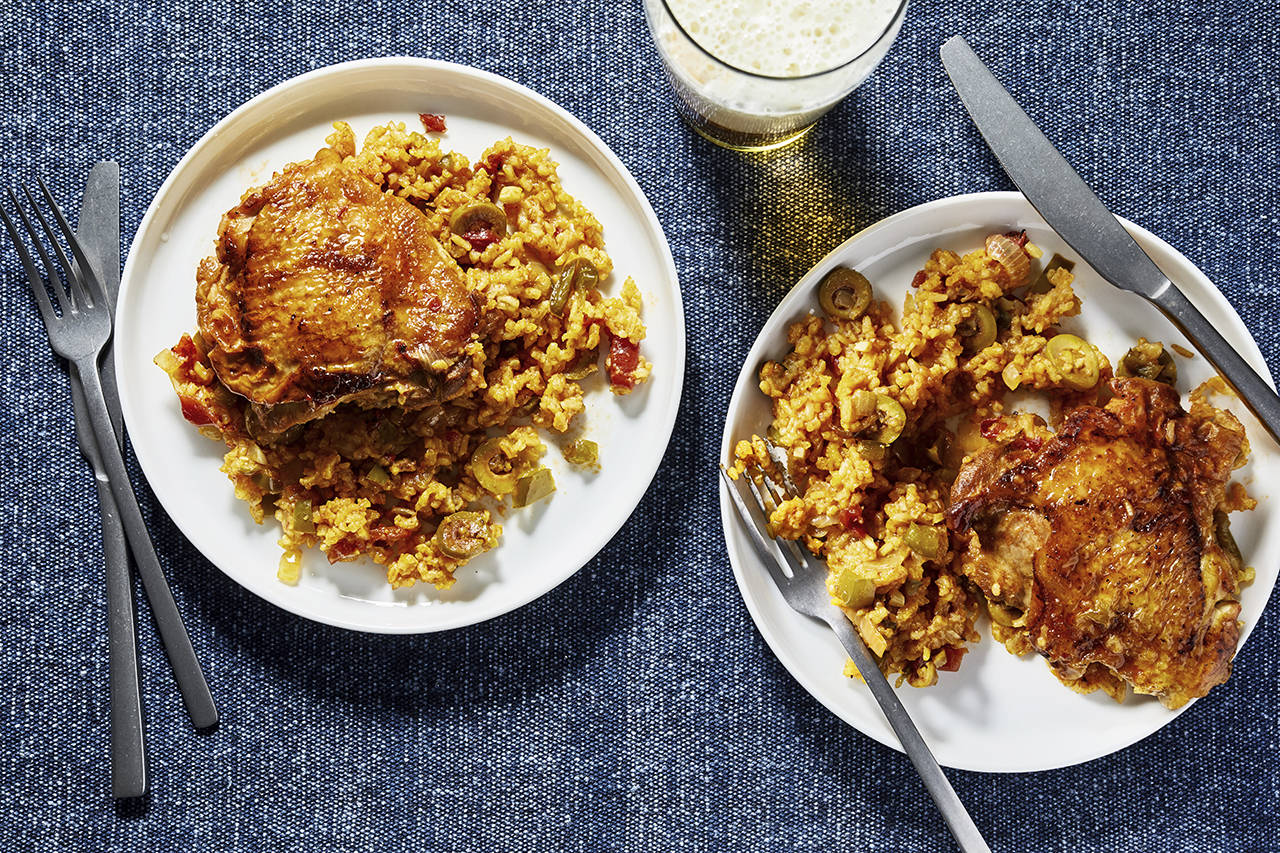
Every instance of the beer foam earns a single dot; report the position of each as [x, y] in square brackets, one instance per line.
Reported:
[784, 38]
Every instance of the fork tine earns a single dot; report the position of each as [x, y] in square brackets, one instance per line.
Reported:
[90, 289]
[75, 295]
[797, 558]
[34, 279]
[779, 457]
[768, 555]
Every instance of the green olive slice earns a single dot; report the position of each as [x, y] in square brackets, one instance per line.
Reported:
[578, 276]
[533, 487]
[478, 214]
[1076, 359]
[492, 469]
[464, 535]
[1149, 360]
[978, 330]
[891, 420]
[844, 294]
[927, 540]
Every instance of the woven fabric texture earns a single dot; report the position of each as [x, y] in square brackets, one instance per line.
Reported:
[635, 707]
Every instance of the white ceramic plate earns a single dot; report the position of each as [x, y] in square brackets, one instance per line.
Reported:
[999, 712]
[542, 546]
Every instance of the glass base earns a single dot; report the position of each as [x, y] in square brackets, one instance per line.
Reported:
[744, 145]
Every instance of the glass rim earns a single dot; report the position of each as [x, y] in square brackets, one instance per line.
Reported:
[895, 19]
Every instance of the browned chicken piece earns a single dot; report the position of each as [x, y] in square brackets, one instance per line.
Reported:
[1102, 542]
[326, 290]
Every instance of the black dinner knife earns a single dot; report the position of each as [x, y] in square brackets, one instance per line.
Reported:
[1072, 209]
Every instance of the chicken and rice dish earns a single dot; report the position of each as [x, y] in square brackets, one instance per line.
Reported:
[1097, 538]
[383, 331]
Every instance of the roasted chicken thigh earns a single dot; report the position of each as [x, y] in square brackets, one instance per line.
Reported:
[326, 290]
[1102, 545]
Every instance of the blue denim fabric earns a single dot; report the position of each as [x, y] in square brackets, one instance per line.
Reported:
[636, 707]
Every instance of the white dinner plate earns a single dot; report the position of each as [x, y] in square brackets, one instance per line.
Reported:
[542, 546]
[998, 712]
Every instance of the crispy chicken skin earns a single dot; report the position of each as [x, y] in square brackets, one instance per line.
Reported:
[1104, 540]
[324, 290]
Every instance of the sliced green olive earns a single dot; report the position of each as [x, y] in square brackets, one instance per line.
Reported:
[852, 590]
[463, 535]
[378, 475]
[1149, 360]
[1076, 359]
[978, 330]
[585, 363]
[492, 469]
[844, 294]
[478, 214]
[578, 276]
[533, 487]
[583, 452]
[891, 420]
[302, 521]
[927, 540]
[1227, 542]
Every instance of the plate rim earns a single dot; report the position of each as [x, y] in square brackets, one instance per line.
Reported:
[742, 384]
[591, 142]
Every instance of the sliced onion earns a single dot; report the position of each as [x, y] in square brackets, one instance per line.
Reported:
[1002, 249]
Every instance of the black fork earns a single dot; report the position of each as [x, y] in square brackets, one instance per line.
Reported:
[78, 331]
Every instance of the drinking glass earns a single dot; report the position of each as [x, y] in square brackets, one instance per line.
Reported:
[749, 111]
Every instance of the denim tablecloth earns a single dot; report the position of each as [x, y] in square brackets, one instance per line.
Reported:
[635, 707]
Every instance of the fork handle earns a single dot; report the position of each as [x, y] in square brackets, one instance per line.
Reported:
[173, 634]
[953, 811]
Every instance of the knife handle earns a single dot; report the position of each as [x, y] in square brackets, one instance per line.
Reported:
[128, 741]
[1251, 388]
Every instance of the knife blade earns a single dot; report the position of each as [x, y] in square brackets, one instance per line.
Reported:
[1076, 213]
[98, 231]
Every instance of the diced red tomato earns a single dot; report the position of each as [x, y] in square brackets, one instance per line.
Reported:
[185, 349]
[624, 358]
[196, 412]
[432, 122]
[481, 237]
[851, 520]
[344, 549]
[954, 655]
[990, 428]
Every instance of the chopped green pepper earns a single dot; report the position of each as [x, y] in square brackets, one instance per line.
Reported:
[302, 522]
[584, 452]
[533, 487]
[578, 276]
